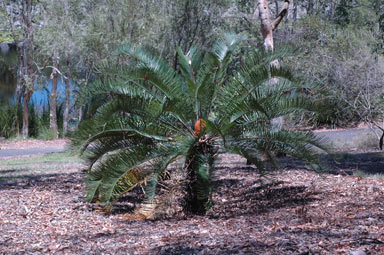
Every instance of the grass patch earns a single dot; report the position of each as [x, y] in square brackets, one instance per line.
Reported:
[39, 166]
[46, 134]
[60, 157]
[363, 174]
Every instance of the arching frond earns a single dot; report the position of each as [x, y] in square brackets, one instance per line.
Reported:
[153, 69]
[223, 47]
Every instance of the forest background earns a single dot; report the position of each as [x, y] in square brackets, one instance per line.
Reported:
[51, 43]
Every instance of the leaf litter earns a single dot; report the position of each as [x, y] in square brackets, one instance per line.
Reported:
[292, 211]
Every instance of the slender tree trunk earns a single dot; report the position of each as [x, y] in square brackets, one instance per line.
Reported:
[266, 25]
[27, 61]
[66, 109]
[52, 100]
[310, 7]
[276, 8]
[19, 88]
[294, 12]
[26, 98]
[81, 113]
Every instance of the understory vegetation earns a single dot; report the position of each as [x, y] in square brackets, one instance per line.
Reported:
[38, 122]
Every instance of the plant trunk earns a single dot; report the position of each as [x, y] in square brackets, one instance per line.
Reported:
[66, 109]
[199, 167]
[52, 101]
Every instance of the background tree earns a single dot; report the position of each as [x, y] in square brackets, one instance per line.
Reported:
[60, 53]
[87, 31]
[20, 25]
[27, 69]
[268, 26]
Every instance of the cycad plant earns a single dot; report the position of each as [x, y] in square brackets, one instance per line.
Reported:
[156, 115]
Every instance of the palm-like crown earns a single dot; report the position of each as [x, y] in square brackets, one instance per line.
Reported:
[154, 111]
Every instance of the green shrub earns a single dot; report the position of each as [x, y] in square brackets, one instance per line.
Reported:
[45, 134]
[7, 121]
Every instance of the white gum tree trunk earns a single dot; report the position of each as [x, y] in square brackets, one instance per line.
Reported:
[267, 28]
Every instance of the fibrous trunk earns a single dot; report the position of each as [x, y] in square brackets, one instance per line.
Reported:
[199, 167]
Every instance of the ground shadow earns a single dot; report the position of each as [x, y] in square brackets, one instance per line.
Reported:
[46, 180]
[185, 246]
[342, 163]
[368, 163]
[240, 200]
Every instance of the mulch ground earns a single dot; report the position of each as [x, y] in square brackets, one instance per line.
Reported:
[294, 211]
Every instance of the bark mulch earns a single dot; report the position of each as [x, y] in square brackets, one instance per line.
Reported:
[294, 211]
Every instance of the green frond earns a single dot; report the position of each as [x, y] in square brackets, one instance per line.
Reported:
[196, 57]
[297, 144]
[223, 47]
[262, 57]
[243, 149]
[105, 175]
[204, 95]
[159, 169]
[185, 63]
[237, 109]
[126, 134]
[297, 104]
[153, 69]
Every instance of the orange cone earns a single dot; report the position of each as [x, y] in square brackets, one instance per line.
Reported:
[199, 126]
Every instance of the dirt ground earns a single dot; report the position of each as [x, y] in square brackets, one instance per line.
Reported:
[293, 211]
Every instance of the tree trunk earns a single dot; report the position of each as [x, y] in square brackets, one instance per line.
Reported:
[81, 113]
[26, 98]
[27, 62]
[266, 25]
[294, 12]
[52, 101]
[66, 109]
[18, 94]
[267, 28]
[276, 8]
[310, 7]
